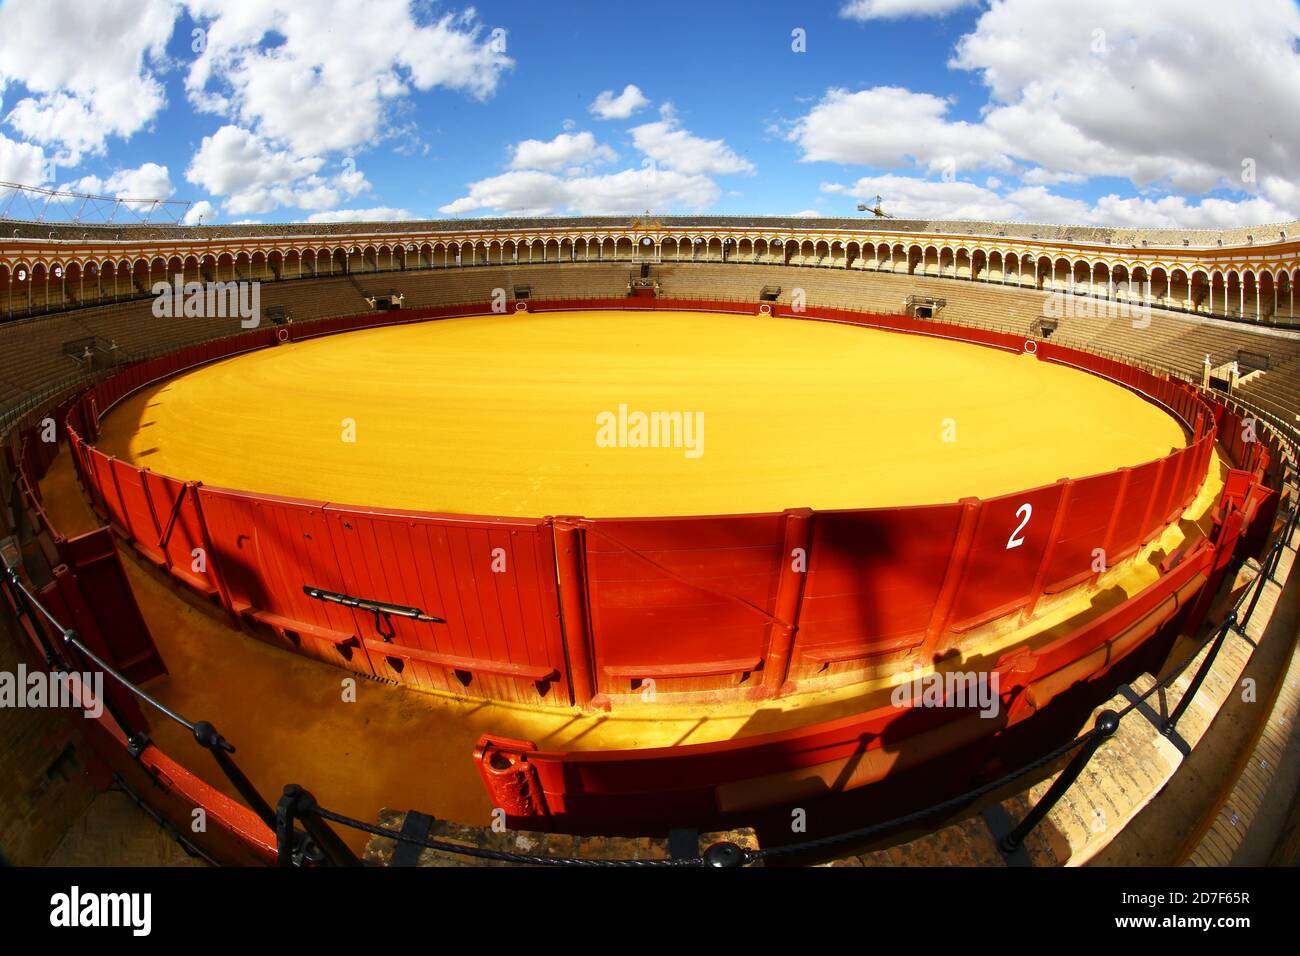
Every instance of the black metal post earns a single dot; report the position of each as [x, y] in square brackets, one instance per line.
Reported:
[1267, 566]
[1107, 724]
[1284, 540]
[210, 740]
[286, 839]
[1171, 724]
[299, 804]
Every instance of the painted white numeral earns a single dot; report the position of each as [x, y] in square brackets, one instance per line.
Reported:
[1015, 540]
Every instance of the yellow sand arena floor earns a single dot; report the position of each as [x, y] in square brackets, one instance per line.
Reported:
[503, 414]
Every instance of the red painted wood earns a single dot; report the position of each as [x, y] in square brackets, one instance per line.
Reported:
[874, 578]
[94, 585]
[669, 592]
[789, 597]
[1011, 539]
[491, 579]
[1092, 507]
[264, 550]
[576, 627]
[593, 789]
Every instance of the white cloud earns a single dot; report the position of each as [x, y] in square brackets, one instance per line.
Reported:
[323, 76]
[1037, 176]
[1174, 92]
[256, 177]
[907, 197]
[89, 69]
[889, 127]
[621, 106]
[1038, 204]
[546, 177]
[374, 214]
[1208, 213]
[672, 147]
[533, 193]
[807, 214]
[912, 198]
[1174, 96]
[567, 149]
[201, 211]
[233, 160]
[148, 181]
[21, 163]
[895, 9]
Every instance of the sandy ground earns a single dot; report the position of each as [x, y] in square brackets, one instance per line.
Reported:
[503, 415]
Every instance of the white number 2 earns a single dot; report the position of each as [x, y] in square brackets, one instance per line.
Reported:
[1015, 541]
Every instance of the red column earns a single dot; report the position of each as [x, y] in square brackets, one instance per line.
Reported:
[789, 591]
[569, 569]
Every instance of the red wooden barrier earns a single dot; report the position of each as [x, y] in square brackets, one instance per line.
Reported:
[103, 607]
[264, 550]
[686, 602]
[1079, 549]
[491, 579]
[594, 791]
[874, 578]
[1011, 541]
[137, 512]
[182, 543]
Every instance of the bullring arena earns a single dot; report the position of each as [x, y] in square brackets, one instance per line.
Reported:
[606, 530]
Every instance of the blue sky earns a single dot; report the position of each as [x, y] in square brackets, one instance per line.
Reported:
[1164, 112]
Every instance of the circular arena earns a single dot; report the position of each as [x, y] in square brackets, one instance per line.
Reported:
[610, 528]
[519, 415]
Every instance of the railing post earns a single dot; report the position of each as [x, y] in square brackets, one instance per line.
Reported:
[297, 804]
[1171, 723]
[210, 740]
[1107, 724]
[1267, 566]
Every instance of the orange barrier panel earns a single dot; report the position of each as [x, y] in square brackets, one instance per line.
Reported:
[263, 550]
[1011, 541]
[182, 543]
[137, 509]
[1128, 524]
[1079, 550]
[593, 791]
[103, 609]
[685, 602]
[874, 579]
[492, 580]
